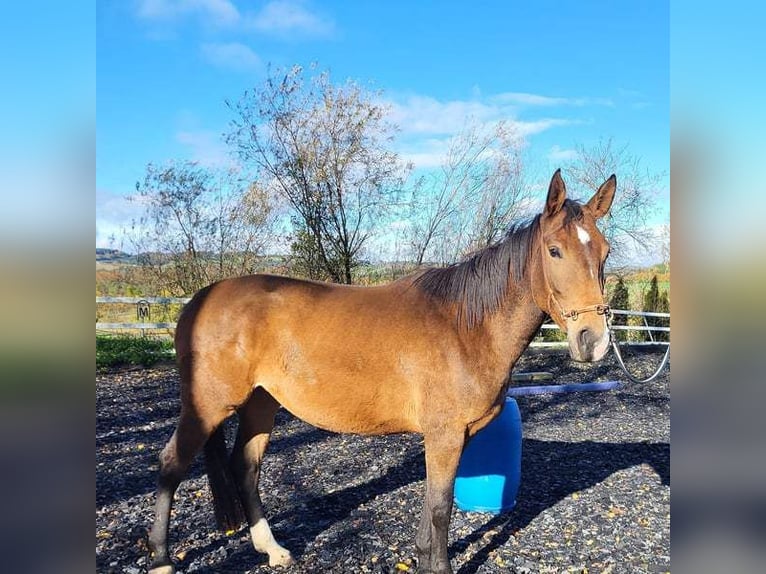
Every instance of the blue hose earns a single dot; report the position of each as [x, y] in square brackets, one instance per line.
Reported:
[569, 388]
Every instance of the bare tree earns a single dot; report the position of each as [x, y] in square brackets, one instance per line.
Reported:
[471, 199]
[324, 148]
[199, 226]
[665, 245]
[505, 196]
[637, 189]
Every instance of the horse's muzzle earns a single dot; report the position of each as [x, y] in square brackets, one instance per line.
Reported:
[587, 344]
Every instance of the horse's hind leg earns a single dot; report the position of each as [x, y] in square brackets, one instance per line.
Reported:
[202, 412]
[187, 440]
[256, 420]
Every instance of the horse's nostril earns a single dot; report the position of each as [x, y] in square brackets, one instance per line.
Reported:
[585, 339]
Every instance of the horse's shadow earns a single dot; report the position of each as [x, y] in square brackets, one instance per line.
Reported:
[551, 471]
[336, 506]
[137, 470]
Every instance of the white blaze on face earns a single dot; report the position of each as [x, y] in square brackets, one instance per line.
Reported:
[583, 235]
[584, 238]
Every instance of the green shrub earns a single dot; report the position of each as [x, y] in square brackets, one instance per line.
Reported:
[113, 351]
[620, 300]
[656, 302]
[663, 306]
[552, 335]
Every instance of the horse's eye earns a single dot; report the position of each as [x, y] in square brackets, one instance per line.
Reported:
[554, 251]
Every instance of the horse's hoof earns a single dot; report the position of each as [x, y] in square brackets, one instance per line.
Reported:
[281, 558]
[166, 569]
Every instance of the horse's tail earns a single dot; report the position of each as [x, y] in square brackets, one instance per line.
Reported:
[229, 513]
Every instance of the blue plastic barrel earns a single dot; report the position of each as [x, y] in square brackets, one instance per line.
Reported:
[490, 469]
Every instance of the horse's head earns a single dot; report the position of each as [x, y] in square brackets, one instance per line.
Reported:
[569, 285]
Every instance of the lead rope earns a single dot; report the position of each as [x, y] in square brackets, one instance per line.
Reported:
[616, 347]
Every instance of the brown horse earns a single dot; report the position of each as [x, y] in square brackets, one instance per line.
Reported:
[430, 353]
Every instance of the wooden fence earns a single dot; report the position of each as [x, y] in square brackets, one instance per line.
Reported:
[143, 310]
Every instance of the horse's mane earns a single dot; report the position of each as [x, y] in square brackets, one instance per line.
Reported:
[480, 283]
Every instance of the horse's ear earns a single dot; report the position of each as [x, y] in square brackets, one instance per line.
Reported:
[600, 203]
[557, 193]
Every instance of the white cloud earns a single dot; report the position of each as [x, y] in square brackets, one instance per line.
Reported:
[278, 17]
[524, 99]
[426, 153]
[205, 147]
[427, 125]
[287, 19]
[526, 129]
[426, 115]
[220, 12]
[559, 154]
[289, 16]
[114, 214]
[232, 56]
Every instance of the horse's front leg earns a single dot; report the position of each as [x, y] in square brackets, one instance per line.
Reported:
[442, 457]
[423, 538]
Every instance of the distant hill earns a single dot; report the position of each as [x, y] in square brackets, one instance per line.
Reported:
[104, 255]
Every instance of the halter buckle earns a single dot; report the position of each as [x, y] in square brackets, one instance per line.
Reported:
[604, 310]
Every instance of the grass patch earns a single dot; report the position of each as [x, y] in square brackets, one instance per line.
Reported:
[115, 351]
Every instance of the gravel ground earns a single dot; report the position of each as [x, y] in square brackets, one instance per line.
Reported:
[594, 495]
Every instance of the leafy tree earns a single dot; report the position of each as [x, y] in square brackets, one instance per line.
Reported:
[663, 307]
[325, 149]
[652, 296]
[199, 225]
[656, 302]
[304, 255]
[620, 300]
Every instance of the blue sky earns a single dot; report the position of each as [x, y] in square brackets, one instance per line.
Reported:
[566, 73]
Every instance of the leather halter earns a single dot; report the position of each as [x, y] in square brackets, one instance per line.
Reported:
[573, 314]
[598, 308]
